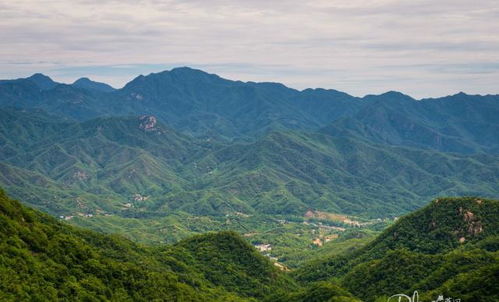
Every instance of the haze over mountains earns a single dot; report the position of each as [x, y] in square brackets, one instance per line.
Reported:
[204, 104]
[185, 140]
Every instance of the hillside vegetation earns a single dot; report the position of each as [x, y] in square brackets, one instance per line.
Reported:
[185, 140]
[449, 247]
[44, 260]
[138, 167]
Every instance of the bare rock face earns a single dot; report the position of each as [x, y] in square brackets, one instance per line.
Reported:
[148, 123]
[474, 225]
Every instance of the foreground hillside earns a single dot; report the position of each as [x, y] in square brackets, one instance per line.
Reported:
[449, 247]
[44, 260]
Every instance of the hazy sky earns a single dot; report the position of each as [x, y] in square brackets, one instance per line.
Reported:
[419, 47]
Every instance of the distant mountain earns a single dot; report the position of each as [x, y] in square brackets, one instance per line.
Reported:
[449, 247]
[205, 105]
[86, 83]
[63, 100]
[460, 123]
[38, 80]
[42, 81]
[293, 172]
[49, 260]
[194, 102]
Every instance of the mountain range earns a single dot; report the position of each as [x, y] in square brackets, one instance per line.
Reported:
[205, 105]
[185, 140]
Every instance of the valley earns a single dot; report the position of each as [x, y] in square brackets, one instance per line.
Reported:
[288, 240]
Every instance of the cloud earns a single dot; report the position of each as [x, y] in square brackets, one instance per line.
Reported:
[359, 46]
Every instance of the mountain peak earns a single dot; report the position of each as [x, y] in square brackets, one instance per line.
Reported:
[325, 92]
[185, 69]
[177, 71]
[39, 75]
[82, 80]
[184, 75]
[86, 83]
[395, 94]
[390, 96]
[192, 73]
[461, 94]
[42, 81]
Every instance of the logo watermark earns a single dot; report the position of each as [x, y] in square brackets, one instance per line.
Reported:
[415, 298]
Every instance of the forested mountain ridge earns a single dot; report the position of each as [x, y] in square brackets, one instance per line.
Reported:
[206, 105]
[86, 83]
[126, 165]
[449, 247]
[42, 259]
[459, 123]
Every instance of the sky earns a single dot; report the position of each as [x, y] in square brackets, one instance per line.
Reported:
[419, 47]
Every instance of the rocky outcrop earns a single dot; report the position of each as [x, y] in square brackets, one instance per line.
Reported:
[148, 123]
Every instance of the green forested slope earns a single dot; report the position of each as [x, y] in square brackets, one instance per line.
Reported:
[44, 260]
[191, 141]
[291, 172]
[449, 247]
[136, 166]
[469, 274]
[460, 123]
